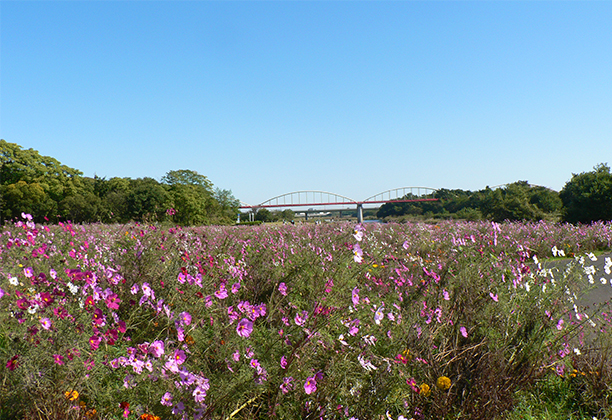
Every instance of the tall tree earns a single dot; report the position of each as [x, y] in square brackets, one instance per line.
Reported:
[587, 197]
[34, 183]
[147, 200]
[191, 196]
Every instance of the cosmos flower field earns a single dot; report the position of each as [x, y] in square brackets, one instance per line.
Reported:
[323, 321]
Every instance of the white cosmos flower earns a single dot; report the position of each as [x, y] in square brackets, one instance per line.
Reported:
[608, 265]
[14, 281]
[73, 289]
[366, 364]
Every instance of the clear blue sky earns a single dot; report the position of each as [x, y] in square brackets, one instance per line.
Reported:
[355, 98]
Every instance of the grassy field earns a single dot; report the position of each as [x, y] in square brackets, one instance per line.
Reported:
[453, 320]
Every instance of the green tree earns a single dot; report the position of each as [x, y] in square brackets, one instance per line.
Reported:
[511, 202]
[147, 200]
[34, 183]
[228, 206]
[114, 194]
[587, 197]
[187, 177]
[264, 215]
[191, 196]
[546, 199]
[287, 214]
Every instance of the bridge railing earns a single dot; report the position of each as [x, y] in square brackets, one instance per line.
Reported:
[331, 200]
[307, 198]
[402, 194]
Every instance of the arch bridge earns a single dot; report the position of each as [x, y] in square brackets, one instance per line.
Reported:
[312, 198]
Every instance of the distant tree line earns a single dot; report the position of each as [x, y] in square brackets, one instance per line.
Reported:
[586, 198]
[52, 192]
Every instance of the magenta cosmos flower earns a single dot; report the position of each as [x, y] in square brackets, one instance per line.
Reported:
[310, 385]
[244, 328]
[282, 288]
[179, 357]
[157, 348]
[185, 318]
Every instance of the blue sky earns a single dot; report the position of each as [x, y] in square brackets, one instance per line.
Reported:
[265, 98]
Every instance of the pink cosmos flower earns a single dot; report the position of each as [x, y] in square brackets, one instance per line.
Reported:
[12, 363]
[283, 362]
[357, 253]
[358, 233]
[560, 324]
[179, 356]
[94, 342]
[300, 319]
[244, 328]
[46, 323]
[310, 385]
[58, 358]
[146, 290]
[166, 399]
[178, 408]
[235, 288]
[463, 331]
[221, 293]
[282, 288]
[379, 315]
[355, 296]
[287, 385]
[199, 394]
[185, 318]
[121, 327]
[413, 385]
[113, 301]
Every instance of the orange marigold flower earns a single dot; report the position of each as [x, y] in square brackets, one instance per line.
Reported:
[424, 390]
[443, 383]
[71, 395]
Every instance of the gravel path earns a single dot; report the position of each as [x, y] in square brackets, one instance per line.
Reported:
[597, 280]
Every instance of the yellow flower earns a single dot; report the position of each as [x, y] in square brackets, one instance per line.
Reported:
[71, 395]
[424, 390]
[443, 383]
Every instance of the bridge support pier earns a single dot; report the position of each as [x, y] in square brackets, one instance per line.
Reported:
[359, 213]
